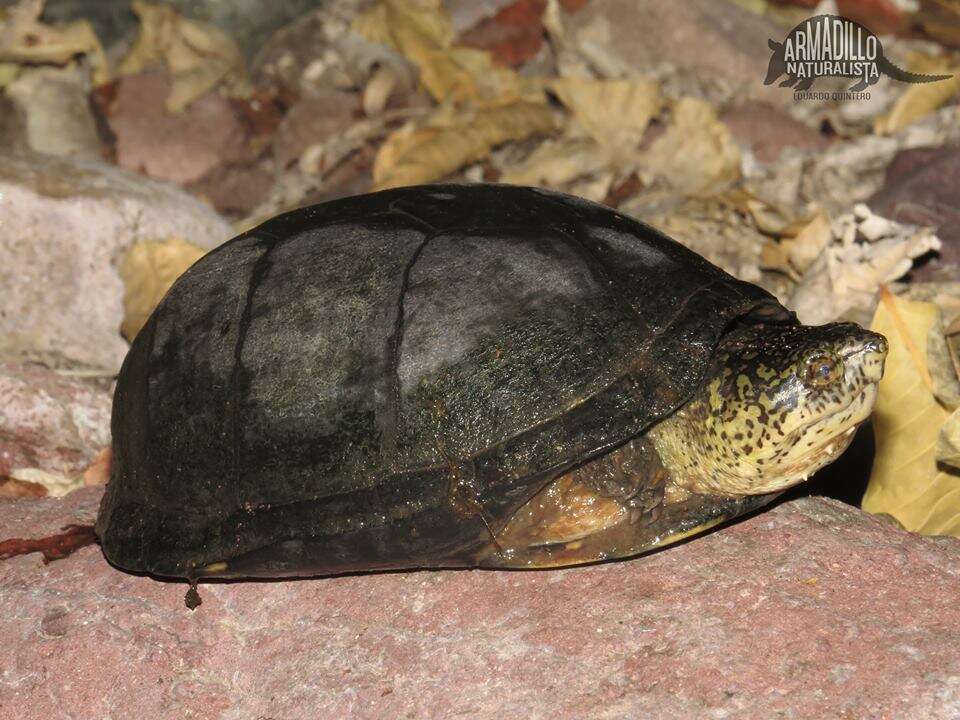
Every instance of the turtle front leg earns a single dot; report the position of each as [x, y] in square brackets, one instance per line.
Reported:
[593, 512]
[633, 476]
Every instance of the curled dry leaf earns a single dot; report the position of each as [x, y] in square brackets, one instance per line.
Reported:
[697, 155]
[24, 39]
[907, 482]
[866, 251]
[199, 56]
[794, 255]
[421, 31]
[920, 99]
[148, 269]
[449, 140]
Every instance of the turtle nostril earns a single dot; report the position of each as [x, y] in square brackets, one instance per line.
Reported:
[878, 344]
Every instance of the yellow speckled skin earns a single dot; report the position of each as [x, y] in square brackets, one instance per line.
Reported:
[781, 404]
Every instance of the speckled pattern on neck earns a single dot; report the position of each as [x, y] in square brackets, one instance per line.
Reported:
[780, 403]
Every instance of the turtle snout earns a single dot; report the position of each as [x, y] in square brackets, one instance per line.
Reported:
[870, 353]
[876, 343]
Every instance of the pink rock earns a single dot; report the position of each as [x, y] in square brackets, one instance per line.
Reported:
[64, 223]
[50, 421]
[922, 187]
[178, 148]
[313, 120]
[810, 610]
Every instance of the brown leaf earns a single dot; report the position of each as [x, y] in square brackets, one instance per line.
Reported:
[53, 547]
[148, 269]
[98, 472]
[13, 488]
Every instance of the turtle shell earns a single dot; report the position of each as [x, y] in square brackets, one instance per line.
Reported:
[377, 381]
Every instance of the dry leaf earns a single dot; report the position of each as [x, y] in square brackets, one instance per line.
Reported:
[8, 73]
[24, 39]
[422, 32]
[56, 485]
[615, 113]
[697, 154]
[199, 56]
[53, 547]
[776, 256]
[810, 242]
[98, 472]
[557, 162]
[866, 251]
[13, 488]
[148, 269]
[948, 442]
[419, 154]
[906, 481]
[922, 98]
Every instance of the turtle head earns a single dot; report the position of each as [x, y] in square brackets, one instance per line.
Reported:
[779, 403]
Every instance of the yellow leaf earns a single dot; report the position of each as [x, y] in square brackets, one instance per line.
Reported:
[921, 99]
[906, 481]
[776, 256]
[615, 113]
[697, 154]
[557, 162]
[419, 154]
[8, 73]
[198, 55]
[148, 269]
[422, 32]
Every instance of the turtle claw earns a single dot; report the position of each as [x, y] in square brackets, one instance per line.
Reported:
[645, 517]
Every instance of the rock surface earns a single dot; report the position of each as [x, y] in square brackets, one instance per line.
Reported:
[50, 421]
[178, 148]
[810, 610]
[63, 224]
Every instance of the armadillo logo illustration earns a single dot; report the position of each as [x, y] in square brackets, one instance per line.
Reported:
[834, 46]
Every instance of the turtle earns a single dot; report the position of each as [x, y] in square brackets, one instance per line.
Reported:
[452, 375]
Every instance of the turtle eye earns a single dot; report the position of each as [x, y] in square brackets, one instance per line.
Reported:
[823, 370]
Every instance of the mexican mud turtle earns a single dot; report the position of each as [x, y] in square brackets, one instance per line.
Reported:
[478, 375]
